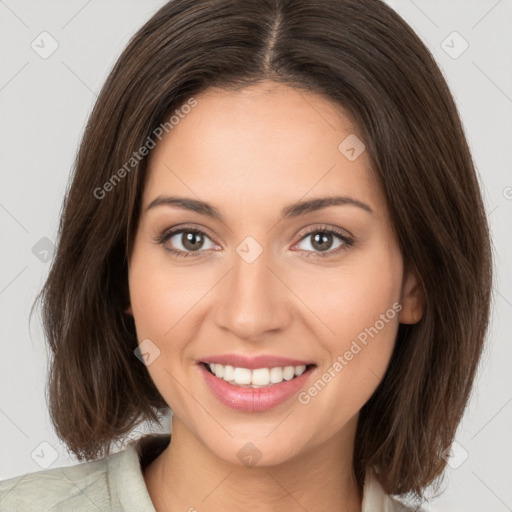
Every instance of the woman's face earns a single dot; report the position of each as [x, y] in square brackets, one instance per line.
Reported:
[319, 285]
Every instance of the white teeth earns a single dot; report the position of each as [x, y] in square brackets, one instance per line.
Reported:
[219, 370]
[288, 372]
[243, 375]
[299, 370]
[276, 375]
[229, 373]
[257, 378]
[260, 377]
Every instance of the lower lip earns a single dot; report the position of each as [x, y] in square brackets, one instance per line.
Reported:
[253, 399]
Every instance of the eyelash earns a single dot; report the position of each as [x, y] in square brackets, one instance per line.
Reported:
[347, 241]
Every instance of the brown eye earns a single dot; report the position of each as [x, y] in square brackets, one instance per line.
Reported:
[324, 242]
[185, 242]
[192, 241]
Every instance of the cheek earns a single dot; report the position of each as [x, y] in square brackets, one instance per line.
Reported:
[351, 296]
[162, 300]
[161, 295]
[358, 305]
[151, 301]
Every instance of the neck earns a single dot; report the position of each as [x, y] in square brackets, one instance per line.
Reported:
[188, 476]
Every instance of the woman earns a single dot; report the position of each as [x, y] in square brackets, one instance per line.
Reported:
[274, 228]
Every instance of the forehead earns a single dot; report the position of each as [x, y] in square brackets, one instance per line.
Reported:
[267, 142]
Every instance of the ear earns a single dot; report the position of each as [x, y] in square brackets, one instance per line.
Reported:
[413, 299]
[129, 311]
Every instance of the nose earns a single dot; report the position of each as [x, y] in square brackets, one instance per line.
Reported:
[252, 301]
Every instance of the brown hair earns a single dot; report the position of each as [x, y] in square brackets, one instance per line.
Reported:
[361, 55]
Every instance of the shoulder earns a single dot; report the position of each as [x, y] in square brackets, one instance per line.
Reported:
[114, 483]
[398, 506]
[376, 500]
[79, 487]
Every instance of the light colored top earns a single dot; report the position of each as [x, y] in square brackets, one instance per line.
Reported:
[116, 483]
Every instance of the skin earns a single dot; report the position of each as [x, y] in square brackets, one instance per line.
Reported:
[249, 154]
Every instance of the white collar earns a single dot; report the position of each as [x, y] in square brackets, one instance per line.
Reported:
[126, 479]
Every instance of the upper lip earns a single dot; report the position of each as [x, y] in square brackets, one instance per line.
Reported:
[262, 361]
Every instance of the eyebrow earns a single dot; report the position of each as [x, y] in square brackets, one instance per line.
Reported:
[290, 211]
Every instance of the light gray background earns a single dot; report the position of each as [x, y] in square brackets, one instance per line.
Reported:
[44, 106]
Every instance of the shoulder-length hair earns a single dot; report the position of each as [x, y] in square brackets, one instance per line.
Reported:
[363, 57]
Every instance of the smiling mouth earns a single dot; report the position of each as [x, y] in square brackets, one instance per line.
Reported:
[256, 378]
